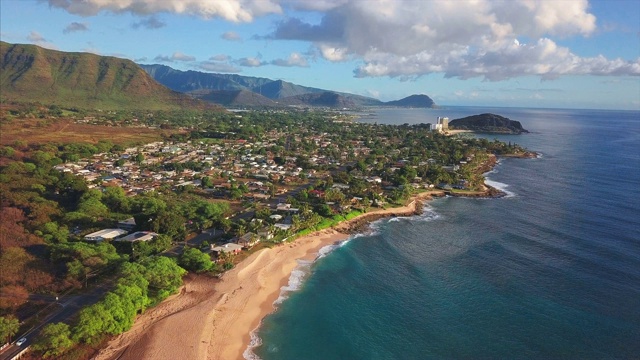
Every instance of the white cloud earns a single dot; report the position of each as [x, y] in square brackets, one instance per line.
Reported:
[35, 37]
[295, 59]
[231, 36]
[231, 10]
[407, 38]
[75, 27]
[215, 66]
[250, 62]
[39, 40]
[177, 56]
[220, 57]
[462, 38]
[150, 23]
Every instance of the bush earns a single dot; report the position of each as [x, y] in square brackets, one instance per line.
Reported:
[193, 259]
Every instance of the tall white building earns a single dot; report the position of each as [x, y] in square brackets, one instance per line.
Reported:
[441, 125]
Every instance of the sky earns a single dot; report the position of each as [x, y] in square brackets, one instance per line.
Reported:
[514, 53]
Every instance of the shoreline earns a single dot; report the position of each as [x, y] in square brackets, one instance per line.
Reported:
[213, 318]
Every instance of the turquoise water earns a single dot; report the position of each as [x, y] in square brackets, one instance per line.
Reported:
[550, 271]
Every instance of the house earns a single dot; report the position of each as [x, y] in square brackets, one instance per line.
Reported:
[283, 226]
[128, 224]
[265, 233]
[226, 248]
[105, 234]
[248, 240]
[139, 236]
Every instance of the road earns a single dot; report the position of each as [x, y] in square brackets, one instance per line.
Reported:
[67, 307]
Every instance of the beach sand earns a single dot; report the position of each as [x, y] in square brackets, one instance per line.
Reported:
[212, 318]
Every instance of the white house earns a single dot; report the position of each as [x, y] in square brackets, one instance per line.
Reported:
[106, 234]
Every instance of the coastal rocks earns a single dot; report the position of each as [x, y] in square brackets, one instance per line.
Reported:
[361, 223]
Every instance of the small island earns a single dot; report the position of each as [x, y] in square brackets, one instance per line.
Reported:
[488, 123]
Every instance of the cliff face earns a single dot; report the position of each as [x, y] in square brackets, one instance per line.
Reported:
[488, 123]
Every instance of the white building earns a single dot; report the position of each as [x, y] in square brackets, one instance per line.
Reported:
[441, 125]
[105, 234]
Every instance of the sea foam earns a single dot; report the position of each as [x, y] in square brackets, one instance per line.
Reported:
[500, 186]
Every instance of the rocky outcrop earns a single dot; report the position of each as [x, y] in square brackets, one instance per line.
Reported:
[488, 123]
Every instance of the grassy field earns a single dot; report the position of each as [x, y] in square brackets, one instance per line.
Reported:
[37, 131]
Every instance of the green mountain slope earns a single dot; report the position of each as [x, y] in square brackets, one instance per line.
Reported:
[200, 84]
[238, 98]
[30, 73]
[223, 88]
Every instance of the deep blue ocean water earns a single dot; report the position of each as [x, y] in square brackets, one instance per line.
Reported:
[551, 271]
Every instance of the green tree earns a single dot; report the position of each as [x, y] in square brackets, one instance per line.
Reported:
[54, 340]
[193, 259]
[164, 276]
[93, 322]
[116, 199]
[9, 326]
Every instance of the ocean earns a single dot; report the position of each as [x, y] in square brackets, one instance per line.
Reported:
[550, 271]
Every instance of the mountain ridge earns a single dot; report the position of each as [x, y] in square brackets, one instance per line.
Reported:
[30, 73]
[283, 93]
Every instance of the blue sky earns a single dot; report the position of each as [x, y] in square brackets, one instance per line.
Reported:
[562, 53]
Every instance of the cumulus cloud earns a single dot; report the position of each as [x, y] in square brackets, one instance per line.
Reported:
[295, 59]
[36, 38]
[215, 66]
[407, 38]
[231, 36]
[75, 27]
[177, 56]
[250, 62]
[463, 39]
[231, 10]
[543, 58]
[149, 23]
[220, 57]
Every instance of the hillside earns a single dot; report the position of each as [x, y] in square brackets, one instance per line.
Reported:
[221, 88]
[415, 101]
[324, 99]
[190, 81]
[488, 123]
[200, 84]
[30, 73]
[242, 98]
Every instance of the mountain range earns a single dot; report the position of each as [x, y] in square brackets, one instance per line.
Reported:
[30, 73]
[235, 90]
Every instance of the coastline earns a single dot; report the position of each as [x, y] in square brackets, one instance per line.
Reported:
[213, 318]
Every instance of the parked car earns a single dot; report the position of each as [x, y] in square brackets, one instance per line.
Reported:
[21, 341]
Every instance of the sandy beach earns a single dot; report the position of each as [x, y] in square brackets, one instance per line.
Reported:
[212, 318]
